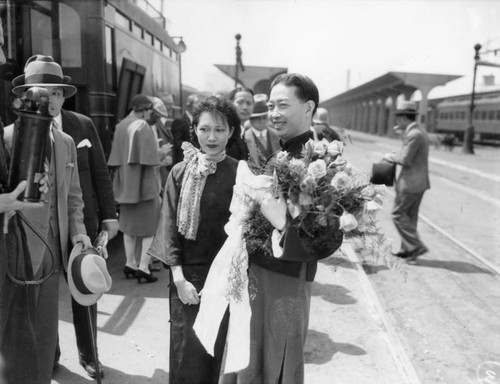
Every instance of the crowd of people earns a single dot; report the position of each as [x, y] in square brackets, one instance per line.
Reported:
[174, 181]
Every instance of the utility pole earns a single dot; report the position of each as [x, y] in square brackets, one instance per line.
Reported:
[468, 144]
[239, 62]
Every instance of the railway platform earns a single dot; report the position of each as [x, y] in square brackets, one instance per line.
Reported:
[351, 340]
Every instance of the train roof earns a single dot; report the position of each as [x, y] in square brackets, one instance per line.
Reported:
[457, 102]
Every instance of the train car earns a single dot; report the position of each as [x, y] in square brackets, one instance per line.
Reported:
[453, 115]
[112, 49]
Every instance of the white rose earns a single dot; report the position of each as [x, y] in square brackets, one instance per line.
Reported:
[367, 191]
[317, 169]
[341, 181]
[321, 147]
[348, 222]
[371, 206]
[335, 148]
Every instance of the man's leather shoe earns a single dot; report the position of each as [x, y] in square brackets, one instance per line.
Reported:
[416, 253]
[401, 254]
[89, 366]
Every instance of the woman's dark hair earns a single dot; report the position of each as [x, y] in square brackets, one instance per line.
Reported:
[305, 89]
[233, 93]
[222, 107]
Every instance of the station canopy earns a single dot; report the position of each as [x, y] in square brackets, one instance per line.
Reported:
[255, 77]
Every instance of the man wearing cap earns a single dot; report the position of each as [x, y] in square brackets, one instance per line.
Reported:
[321, 125]
[99, 209]
[164, 138]
[58, 222]
[412, 182]
[261, 141]
[136, 184]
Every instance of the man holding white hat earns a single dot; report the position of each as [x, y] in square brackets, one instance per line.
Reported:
[412, 182]
[59, 221]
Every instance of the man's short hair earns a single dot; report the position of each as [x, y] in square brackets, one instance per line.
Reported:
[305, 89]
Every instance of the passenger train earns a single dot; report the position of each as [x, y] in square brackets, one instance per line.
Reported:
[112, 49]
[452, 116]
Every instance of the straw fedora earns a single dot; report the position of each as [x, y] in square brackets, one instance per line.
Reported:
[88, 277]
[42, 71]
[260, 108]
[407, 108]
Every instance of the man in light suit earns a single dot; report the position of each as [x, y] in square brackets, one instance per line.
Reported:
[99, 211]
[59, 221]
[412, 182]
[261, 141]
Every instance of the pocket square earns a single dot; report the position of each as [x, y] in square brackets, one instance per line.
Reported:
[72, 165]
[84, 143]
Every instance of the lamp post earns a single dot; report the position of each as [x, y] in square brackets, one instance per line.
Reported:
[181, 48]
[468, 145]
[238, 60]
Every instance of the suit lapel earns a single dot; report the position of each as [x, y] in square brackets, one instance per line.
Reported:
[60, 158]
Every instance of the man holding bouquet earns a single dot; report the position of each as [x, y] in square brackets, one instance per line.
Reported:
[282, 256]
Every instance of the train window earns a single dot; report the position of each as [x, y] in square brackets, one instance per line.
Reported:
[70, 35]
[476, 115]
[491, 115]
[122, 21]
[110, 59]
[498, 115]
[137, 30]
[149, 38]
[158, 44]
[483, 115]
[41, 31]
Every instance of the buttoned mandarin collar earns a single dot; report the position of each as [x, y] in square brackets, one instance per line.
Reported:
[295, 144]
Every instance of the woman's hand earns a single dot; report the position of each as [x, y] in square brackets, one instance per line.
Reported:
[187, 292]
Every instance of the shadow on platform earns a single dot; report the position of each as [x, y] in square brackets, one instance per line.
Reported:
[320, 349]
[332, 293]
[454, 266]
[64, 375]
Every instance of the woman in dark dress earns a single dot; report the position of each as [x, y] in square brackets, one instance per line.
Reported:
[195, 209]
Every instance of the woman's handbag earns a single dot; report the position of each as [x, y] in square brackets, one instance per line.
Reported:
[383, 173]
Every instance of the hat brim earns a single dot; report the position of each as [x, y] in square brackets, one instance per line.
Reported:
[405, 113]
[162, 114]
[82, 299]
[258, 114]
[69, 90]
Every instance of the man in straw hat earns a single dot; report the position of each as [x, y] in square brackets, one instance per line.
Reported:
[412, 182]
[57, 223]
[261, 141]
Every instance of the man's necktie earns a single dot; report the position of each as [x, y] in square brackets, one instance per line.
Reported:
[262, 139]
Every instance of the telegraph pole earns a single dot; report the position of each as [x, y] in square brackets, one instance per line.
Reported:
[239, 62]
[468, 145]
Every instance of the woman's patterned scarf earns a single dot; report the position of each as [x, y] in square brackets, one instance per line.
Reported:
[198, 167]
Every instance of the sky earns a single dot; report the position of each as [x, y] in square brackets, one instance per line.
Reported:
[327, 39]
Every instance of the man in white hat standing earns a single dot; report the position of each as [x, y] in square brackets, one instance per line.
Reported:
[59, 221]
[412, 182]
[99, 207]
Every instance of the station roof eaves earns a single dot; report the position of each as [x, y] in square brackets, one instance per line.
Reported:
[252, 73]
[391, 82]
